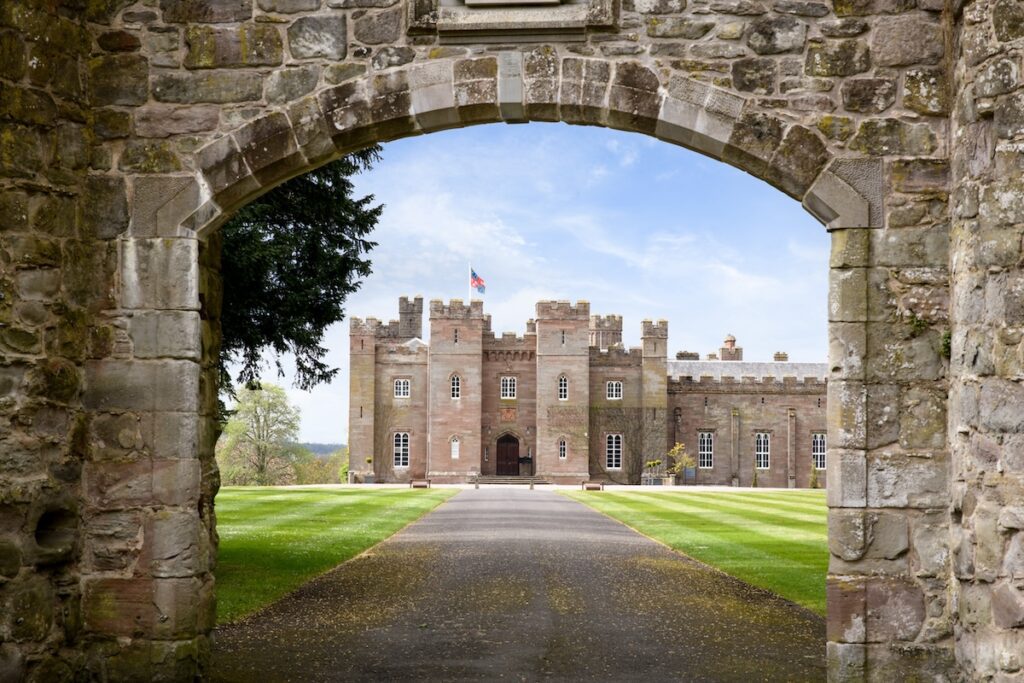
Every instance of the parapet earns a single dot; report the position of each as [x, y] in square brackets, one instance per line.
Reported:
[658, 329]
[606, 323]
[563, 310]
[687, 355]
[457, 309]
[509, 340]
[616, 355]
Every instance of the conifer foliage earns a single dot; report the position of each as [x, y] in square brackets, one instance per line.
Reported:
[290, 259]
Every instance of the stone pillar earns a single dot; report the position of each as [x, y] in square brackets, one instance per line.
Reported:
[889, 606]
[791, 447]
[986, 407]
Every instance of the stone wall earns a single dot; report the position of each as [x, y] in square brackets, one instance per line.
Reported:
[986, 418]
[790, 411]
[129, 132]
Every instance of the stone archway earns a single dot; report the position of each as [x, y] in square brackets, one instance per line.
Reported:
[129, 132]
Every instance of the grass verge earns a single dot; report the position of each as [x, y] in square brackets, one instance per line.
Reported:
[272, 540]
[777, 540]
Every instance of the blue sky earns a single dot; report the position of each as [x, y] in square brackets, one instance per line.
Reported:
[549, 211]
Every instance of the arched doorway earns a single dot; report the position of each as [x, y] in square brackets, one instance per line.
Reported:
[507, 464]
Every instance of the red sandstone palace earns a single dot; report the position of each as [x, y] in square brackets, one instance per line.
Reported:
[566, 402]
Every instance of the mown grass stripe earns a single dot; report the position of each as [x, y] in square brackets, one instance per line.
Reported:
[788, 557]
[274, 540]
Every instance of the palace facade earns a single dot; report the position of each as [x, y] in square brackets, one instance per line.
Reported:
[566, 402]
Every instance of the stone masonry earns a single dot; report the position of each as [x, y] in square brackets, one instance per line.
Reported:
[562, 411]
[130, 130]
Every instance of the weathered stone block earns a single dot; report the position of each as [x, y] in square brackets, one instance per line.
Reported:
[1000, 405]
[678, 27]
[27, 613]
[379, 28]
[248, 45]
[392, 56]
[848, 531]
[149, 156]
[318, 36]
[165, 334]
[290, 6]
[923, 419]
[1007, 606]
[161, 203]
[207, 86]
[797, 162]
[118, 79]
[1008, 20]
[925, 91]
[868, 95]
[907, 481]
[907, 40]
[756, 75]
[880, 137]
[160, 274]
[847, 413]
[776, 35]
[889, 535]
[104, 207]
[837, 58]
[894, 610]
[173, 545]
[206, 11]
[847, 600]
[171, 385]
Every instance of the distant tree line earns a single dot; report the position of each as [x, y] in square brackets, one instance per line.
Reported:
[259, 445]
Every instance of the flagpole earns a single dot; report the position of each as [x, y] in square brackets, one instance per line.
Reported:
[469, 288]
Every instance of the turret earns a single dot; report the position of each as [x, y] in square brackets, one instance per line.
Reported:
[729, 350]
[605, 331]
[410, 318]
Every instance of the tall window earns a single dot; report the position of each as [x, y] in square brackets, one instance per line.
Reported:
[456, 335]
[402, 388]
[563, 450]
[762, 450]
[563, 337]
[401, 449]
[818, 451]
[508, 387]
[705, 450]
[614, 390]
[456, 387]
[455, 448]
[563, 388]
[613, 452]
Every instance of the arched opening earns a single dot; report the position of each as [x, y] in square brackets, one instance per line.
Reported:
[508, 457]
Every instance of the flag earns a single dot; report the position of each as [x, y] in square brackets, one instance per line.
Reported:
[476, 282]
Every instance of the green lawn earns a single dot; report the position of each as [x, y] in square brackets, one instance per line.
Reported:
[273, 540]
[773, 539]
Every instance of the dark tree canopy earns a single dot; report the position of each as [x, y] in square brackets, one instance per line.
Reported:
[290, 260]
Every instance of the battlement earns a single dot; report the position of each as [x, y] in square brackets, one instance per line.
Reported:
[658, 330]
[373, 326]
[509, 340]
[687, 355]
[563, 310]
[605, 330]
[616, 355]
[710, 383]
[410, 317]
[457, 309]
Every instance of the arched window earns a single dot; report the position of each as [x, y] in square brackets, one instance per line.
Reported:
[455, 448]
[401, 449]
[456, 386]
[818, 451]
[563, 388]
[613, 452]
[402, 388]
[614, 390]
[762, 450]
[563, 450]
[705, 450]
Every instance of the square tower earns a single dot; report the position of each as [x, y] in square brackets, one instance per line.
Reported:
[563, 390]
[455, 369]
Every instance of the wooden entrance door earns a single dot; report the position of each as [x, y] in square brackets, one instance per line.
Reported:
[508, 456]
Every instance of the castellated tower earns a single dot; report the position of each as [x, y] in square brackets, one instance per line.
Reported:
[654, 399]
[563, 341]
[410, 318]
[605, 331]
[456, 351]
[362, 391]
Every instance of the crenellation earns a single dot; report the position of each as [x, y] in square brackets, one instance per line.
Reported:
[656, 330]
[563, 310]
[457, 309]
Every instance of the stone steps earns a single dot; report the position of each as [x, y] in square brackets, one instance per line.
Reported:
[524, 480]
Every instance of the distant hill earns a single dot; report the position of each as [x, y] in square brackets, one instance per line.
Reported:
[322, 448]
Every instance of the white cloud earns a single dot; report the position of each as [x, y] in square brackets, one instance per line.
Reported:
[636, 227]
